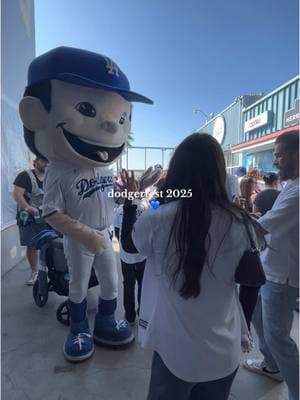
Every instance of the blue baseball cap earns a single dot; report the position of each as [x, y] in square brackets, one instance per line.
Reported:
[241, 171]
[84, 68]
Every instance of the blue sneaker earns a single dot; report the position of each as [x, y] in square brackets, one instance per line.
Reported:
[79, 344]
[108, 331]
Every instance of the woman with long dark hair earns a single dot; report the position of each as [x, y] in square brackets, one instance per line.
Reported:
[190, 312]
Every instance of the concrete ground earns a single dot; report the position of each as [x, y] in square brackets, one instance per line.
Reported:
[33, 366]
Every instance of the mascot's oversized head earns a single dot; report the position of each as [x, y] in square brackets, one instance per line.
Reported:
[77, 107]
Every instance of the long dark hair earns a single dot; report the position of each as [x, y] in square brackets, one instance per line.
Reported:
[198, 165]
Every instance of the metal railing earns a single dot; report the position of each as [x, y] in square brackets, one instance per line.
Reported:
[126, 160]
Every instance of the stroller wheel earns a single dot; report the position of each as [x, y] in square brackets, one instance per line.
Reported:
[40, 299]
[62, 313]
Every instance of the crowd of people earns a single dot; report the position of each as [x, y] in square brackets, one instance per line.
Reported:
[251, 187]
[185, 257]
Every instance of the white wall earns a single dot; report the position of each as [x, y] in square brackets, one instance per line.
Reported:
[17, 51]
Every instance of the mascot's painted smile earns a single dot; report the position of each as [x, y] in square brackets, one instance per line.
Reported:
[93, 152]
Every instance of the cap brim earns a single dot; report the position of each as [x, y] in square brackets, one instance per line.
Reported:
[79, 80]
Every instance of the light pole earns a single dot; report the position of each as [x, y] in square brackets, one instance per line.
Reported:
[198, 110]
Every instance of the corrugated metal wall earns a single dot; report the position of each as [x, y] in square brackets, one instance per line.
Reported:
[232, 116]
[233, 120]
[278, 102]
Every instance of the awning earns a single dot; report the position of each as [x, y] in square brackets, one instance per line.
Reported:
[267, 139]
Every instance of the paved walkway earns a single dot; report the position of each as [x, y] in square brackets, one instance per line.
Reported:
[33, 366]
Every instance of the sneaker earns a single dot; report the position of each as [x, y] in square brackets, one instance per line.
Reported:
[79, 344]
[258, 367]
[108, 331]
[32, 279]
[78, 347]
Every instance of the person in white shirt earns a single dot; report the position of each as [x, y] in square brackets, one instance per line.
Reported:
[190, 311]
[273, 315]
[233, 188]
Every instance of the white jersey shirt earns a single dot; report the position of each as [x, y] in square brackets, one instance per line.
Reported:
[199, 339]
[81, 193]
[232, 186]
[281, 258]
[128, 258]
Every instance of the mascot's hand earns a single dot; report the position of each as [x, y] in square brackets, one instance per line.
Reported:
[92, 239]
[95, 242]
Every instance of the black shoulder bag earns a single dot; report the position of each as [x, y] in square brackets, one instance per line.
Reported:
[250, 275]
[250, 270]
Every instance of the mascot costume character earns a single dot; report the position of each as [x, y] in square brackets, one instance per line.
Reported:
[76, 112]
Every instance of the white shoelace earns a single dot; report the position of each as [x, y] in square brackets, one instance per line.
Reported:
[121, 324]
[80, 338]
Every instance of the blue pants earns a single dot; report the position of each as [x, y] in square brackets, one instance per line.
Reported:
[166, 386]
[272, 320]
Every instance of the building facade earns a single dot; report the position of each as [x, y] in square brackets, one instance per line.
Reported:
[227, 127]
[248, 128]
[271, 116]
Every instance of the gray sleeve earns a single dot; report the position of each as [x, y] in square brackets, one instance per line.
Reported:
[53, 197]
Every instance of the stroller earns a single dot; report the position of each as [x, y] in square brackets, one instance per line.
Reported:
[53, 274]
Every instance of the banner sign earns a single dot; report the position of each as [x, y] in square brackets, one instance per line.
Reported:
[257, 122]
[292, 116]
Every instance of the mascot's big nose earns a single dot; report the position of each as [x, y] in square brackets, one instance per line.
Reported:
[109, 126]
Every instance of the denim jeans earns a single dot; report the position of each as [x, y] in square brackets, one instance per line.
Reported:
[272, 320]
[166, 386]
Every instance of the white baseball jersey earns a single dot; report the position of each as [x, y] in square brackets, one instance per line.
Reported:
[205, 331]
[80, 192]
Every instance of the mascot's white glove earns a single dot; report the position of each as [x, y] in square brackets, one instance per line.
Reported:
[93, 240]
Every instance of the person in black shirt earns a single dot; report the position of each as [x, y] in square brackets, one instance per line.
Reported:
[28, 193]
[264, 200]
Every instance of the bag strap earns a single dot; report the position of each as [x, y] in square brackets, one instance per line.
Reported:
[252, 242]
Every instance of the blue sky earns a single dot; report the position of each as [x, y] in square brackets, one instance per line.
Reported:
[183, 54]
